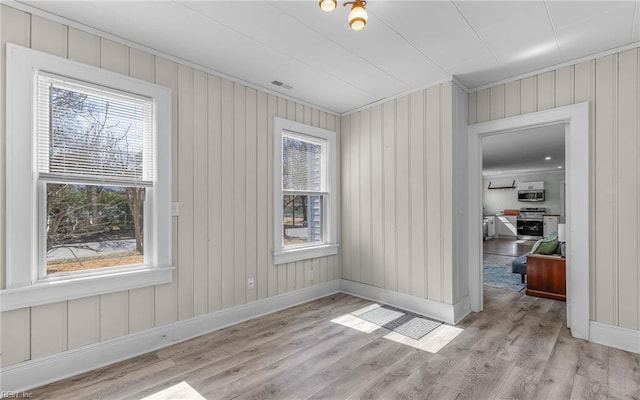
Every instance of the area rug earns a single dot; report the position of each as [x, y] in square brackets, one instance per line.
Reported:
[501, 277]
[400, 321]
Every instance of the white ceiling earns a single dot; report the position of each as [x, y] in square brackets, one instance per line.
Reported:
[406, 45]
[524, 151]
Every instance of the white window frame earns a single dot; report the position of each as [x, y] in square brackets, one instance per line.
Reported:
[24, 286]
[285, 254]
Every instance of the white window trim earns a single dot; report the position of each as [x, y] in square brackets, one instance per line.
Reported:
[281, 254]
[23, 286]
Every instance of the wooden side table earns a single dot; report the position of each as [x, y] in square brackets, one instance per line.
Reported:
[546, 276]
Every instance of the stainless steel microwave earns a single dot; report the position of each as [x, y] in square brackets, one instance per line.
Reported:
[531, 195]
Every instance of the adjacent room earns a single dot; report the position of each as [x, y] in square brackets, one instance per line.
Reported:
[320, 199]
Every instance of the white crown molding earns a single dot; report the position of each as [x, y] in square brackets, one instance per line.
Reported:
[74, 24]
[34, 373]
[594, 56]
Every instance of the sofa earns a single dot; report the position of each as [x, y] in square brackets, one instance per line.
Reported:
[548, 245]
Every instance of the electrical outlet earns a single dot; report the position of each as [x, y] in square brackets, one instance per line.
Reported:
[310, 275]
[251, 283]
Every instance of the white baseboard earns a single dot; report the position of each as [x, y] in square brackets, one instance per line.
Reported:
[434, 309]
[34, 373]
[615, 336]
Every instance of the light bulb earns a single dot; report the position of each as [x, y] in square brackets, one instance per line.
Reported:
[327, 5]
[358, 16]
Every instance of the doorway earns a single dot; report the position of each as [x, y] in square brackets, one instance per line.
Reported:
[575, 118]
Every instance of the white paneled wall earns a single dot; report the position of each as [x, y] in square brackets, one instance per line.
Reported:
[612, 87]
[222, 168]
[397, 195]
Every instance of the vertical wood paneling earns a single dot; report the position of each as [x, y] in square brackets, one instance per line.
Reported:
[366, 272]
[402, 195]
[84, 47]
[497, 101]
[48, 322]
[446, 194]
[309, 271]
[251, 187]
[355, 198]
[200, 194]
[528, 95]
[114, 315]
[48, 329]
[627, 192]
[83, 324]
[389, 187]
[564, 92]
[185, 191]
[584, 90]
[272, 270]
[473, 107]
[215, 194]
[141, 311]
[377, 197]
[223, 233]
[417, 193]
[295, 271]
[15, 27]
[141, 301]
[166, 308]
[48, 36]
[263, 222]
[228, 197]
[483, 106]
[345, 171]
[512, 99]
[434, 206]
[546, 90]
[323, 267]
[114, 56]
[606, 145]
[283, 269]
[114, 307]
[16, 335]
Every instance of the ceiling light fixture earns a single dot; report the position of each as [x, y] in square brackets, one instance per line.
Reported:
[547, 158]
[357, 16]
[327, 5]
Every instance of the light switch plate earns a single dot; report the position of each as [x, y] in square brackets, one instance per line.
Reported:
[175, 209]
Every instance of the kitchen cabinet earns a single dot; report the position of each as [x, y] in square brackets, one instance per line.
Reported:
[550, 224]
[489, 226]
[506, 225]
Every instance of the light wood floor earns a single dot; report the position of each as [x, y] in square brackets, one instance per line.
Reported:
[518, 348]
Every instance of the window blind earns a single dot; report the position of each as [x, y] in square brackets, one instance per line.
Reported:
[90, 134]
[302, 168]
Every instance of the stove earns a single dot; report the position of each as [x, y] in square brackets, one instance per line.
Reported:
[531, 222]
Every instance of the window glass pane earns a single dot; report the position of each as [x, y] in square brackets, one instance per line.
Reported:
[92, 227]
[86, 133]
[302, 219]
[301, 164]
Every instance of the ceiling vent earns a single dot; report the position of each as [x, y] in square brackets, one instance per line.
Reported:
[281, 84]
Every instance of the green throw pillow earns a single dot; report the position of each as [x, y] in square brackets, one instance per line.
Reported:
[545, 246]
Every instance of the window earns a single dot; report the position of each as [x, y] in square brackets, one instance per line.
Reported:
[88, 181]
[305, 202]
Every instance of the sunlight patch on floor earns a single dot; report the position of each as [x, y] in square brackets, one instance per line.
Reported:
[351, 321]
[432, 342]
[179, 391]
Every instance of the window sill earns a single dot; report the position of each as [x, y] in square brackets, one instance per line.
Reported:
[304, 253]
[55, 290]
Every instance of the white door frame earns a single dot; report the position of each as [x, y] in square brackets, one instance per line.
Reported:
[576, 120]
